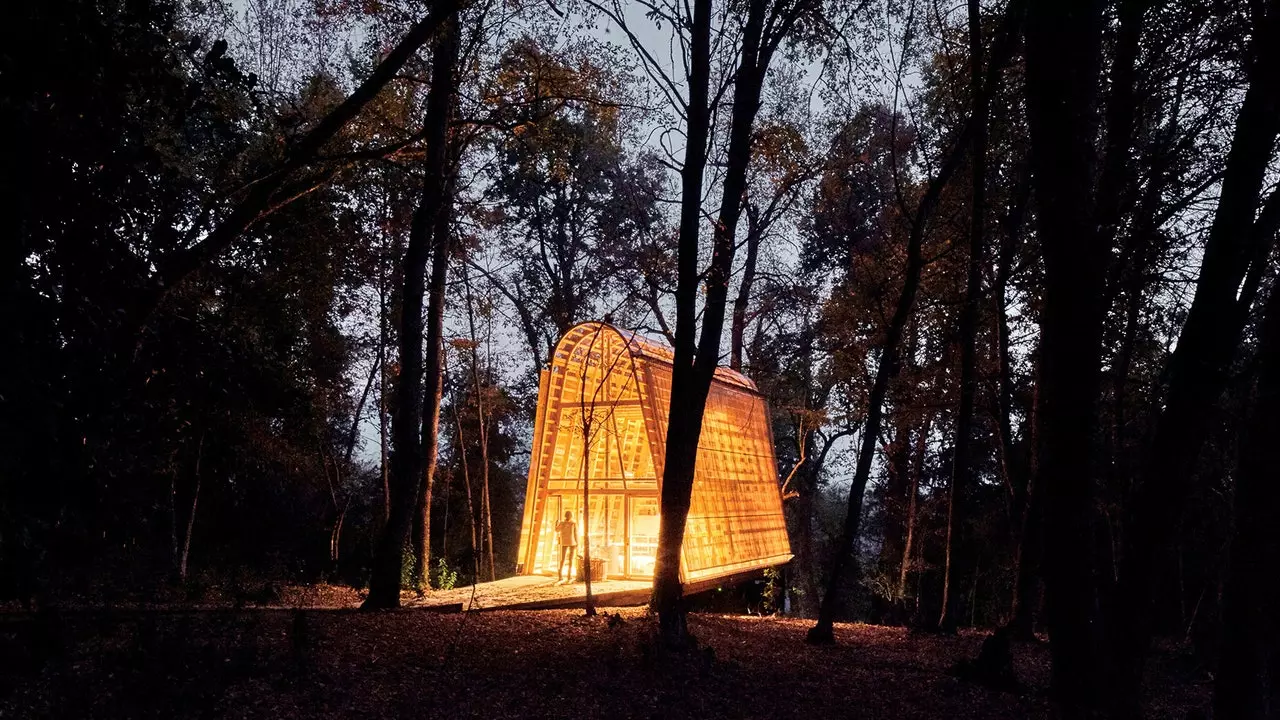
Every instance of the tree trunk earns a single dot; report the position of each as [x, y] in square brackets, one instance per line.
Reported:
[466, 481]
[1012, 466]
[958, 543]
[191, 517]
[483, 424]
[897, 489]
[1063, 67]
[1198, 368]
[691, 376]
[738, 328]
[1026, 559]
[681, 449]
[917, 471]
[1248, 681]
[406, 460]
[383, 468]
[434, 382]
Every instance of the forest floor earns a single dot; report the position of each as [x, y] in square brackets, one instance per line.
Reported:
[543, 664]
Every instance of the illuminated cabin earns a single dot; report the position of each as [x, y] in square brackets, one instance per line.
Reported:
[620, 383]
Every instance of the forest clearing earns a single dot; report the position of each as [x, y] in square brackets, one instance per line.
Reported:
[540, 664]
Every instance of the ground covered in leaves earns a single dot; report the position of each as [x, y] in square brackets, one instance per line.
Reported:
[550, 663]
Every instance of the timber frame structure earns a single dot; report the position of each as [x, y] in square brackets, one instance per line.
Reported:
[599, 443]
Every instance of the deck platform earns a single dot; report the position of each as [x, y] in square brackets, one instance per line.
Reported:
[535, 592]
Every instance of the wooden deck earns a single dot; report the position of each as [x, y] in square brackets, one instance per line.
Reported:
[535, 592]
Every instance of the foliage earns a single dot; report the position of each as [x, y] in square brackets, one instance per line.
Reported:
[444, 577]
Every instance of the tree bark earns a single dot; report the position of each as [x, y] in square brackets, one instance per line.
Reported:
[407, 477]
[958, 543]
[1247, 686]
[1063, 67]
[1198, 368]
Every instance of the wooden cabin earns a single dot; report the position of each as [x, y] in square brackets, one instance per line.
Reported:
[600, 433]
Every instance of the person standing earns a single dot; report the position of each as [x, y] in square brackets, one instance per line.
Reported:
[568, 534]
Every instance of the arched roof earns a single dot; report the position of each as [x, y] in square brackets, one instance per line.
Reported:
[642, 347]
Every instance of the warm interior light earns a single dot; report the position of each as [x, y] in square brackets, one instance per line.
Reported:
[608, 392]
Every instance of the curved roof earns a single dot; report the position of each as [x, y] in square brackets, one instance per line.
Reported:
[649, 349]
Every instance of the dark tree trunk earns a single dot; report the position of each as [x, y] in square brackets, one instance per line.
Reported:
[691, 375]
[682, 436]
[1198, 369]
[383, 467]
[191, 516]
[466, 482]
[482, 419]
[738, 328]
[897, 490]
[434, 381]
[1026, 559]
[908, 543]
[406, 459]
[886, 368]
[803, 566]
[1012, 465]
[1063, 62]
[958, 553]
[1248, 681]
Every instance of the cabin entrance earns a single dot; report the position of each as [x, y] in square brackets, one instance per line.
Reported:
[624, 532]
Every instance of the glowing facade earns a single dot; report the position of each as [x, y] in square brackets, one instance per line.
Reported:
[601, 422]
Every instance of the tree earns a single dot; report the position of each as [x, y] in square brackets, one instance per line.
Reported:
[429, 232]
[958, 542]
[1236, 248]
[1247, 684]
[763, 30]
[1063, 58]
[265, 193]
[888, 358]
